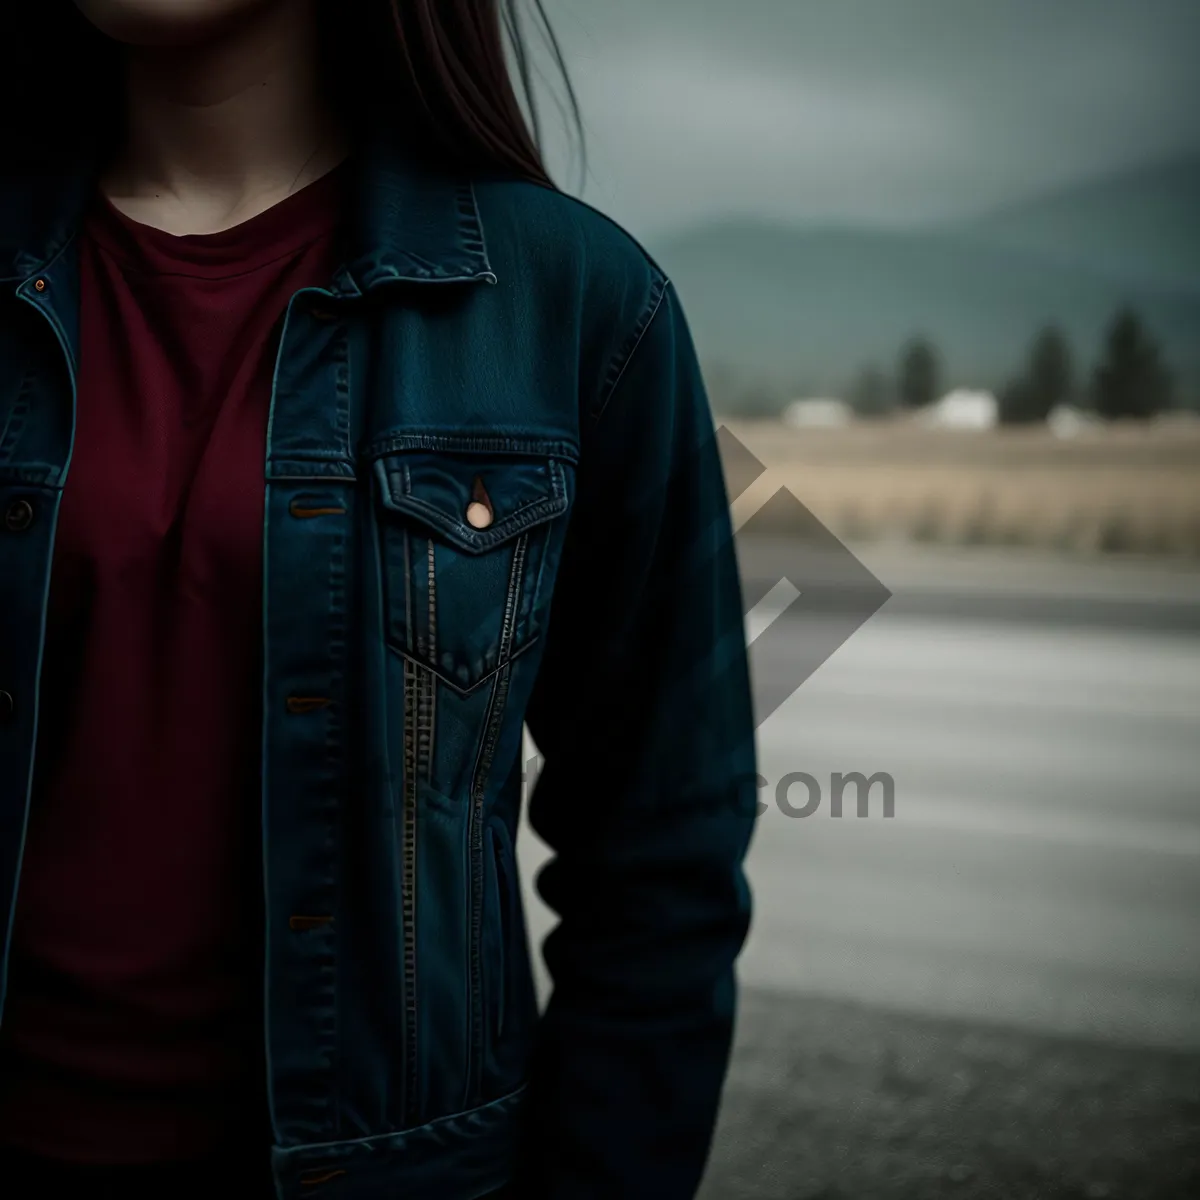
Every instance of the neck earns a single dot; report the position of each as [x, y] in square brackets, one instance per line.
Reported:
[219, 131]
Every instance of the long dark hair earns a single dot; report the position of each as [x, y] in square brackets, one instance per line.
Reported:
[437, 69]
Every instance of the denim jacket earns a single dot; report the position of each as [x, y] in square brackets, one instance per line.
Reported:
[479, 329]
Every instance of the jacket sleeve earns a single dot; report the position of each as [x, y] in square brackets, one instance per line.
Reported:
[642, 712]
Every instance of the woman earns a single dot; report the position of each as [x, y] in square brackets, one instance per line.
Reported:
[336, 445]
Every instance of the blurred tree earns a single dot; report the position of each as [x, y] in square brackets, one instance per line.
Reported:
[920, 372]
[1048, 381]
[1051, 371]
[1018, 404]
[869, 393]
[1131, 379]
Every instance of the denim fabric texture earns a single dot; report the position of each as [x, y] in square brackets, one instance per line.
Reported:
[492, 343]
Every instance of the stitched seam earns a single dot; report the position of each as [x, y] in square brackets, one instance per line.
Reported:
[475, 444]
[502, 530]
[480, 233]
[412, 685]
[616, 372]
[497, 704]
[413, 657]
[487, 538]
[430, 715]
[384, 1139]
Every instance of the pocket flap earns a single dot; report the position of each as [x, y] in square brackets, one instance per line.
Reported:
[436, 489]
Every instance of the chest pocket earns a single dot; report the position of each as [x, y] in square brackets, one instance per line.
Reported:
[464, 540]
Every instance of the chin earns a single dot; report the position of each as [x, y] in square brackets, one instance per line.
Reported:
[167, 22]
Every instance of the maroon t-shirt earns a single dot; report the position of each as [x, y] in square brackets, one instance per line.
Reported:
[132, 1027]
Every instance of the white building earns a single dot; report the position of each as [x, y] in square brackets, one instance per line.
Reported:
[820, 412]
[1066, 420]
[963, 409]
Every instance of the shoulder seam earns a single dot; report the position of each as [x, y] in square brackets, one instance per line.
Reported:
[624, 355]
[580, 202]
[615, 224]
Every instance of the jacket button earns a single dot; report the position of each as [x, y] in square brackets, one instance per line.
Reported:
[7, 705]
[18, 516]
[479, 516]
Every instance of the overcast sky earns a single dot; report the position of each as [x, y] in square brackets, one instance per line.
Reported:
[879, 110]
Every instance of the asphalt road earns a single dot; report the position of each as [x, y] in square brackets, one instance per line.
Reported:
[1041, 723]
[1043, 863]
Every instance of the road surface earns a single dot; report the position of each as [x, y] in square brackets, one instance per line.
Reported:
[1041, 722]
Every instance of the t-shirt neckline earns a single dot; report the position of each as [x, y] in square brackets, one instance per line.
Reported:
[286, 227]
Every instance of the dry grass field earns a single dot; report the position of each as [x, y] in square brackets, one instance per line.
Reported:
[1122, 488]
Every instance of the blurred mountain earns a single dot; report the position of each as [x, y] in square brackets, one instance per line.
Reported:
[1139, 223]
[807, 306]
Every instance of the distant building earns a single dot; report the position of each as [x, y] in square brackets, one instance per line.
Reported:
[962, 409]
[819, 412]
[1067, 420]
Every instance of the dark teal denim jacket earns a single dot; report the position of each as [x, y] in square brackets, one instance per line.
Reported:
[479, 329]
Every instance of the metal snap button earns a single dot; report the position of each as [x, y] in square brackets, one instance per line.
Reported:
[479, 516]
[18, 516]
[479, 511]
[40, 285]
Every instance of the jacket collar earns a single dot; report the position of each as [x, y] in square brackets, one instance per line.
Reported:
[410, 221]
